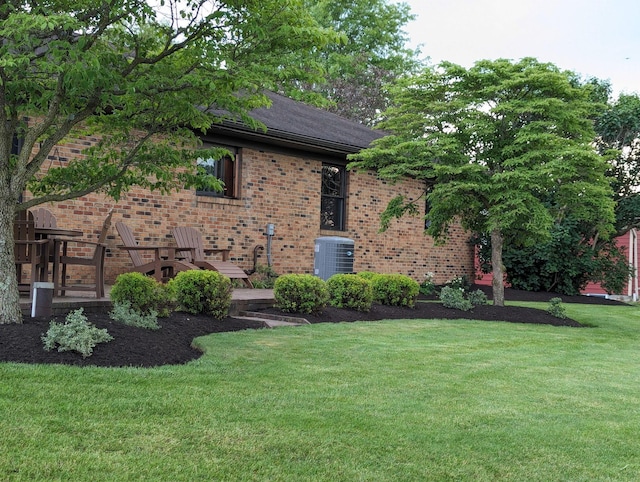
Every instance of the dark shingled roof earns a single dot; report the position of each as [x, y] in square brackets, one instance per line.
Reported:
[297, 125]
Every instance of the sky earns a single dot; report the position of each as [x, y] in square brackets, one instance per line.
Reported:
[595, 38]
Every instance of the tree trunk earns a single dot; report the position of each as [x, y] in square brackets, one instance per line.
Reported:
[497, 283]
[9, 295]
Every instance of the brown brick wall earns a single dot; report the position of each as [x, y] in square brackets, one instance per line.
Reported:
[284, 190]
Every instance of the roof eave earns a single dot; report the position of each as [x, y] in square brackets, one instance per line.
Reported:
[285, 139]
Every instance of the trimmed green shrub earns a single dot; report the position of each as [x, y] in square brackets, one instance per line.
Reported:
[202, 292]
[395, 290]
[477, 298]
[454, 298]
[367, 275]
[300, 293]
[143, 293]
[556, 309]
[123, 313]
[75, 334]
[350, 291]
[459, 298]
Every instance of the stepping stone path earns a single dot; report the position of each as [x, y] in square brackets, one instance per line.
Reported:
[271, 321]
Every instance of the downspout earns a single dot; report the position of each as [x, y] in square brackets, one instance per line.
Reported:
[633, 262]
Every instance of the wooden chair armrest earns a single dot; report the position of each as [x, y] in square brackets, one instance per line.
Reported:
[216, 250]
[225, 252]
[171, 250]
[178, 253]
[155, 249]
[77, 241]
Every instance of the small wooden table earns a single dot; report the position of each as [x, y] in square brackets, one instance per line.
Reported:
[56, 237]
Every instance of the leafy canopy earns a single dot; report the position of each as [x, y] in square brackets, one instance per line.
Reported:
[131, 72]
[142, 80]
[573, 257]
[492, 143]
[372, 54]
[618, 131]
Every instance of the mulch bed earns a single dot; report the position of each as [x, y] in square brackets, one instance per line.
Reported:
[171, 345]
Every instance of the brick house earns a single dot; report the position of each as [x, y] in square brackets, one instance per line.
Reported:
[292, 176]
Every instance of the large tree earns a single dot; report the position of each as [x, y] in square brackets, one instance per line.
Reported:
[373, 53]
[143, 78]
[573, 257]
[618, 130]
[491, 143]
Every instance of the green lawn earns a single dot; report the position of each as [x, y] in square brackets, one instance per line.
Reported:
[397, 400]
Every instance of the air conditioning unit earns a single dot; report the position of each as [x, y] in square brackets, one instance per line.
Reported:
[333, 255]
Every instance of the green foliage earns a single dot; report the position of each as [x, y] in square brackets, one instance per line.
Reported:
[123, 313]
[627, 212]
[75, 334]
[368, 275]
[618, 131]
[264, 277]
[392, 289]
[455, 298]
[397, 208]
[556, 309]
[395, 290]
[503, 147]
[428, 287]
[140, 80]
[300, 293]
[613, 270]
[143, 294]
[566, 263]
[477, 297]
[203, 291]
[460, 282]
[128, 68]
[458, 297]
[350, 291]
[372, 53]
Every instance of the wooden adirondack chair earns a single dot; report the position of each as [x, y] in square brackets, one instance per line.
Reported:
[43, 218]
[63, 259]
[192, 238]
[162, 267]
[29, 251]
